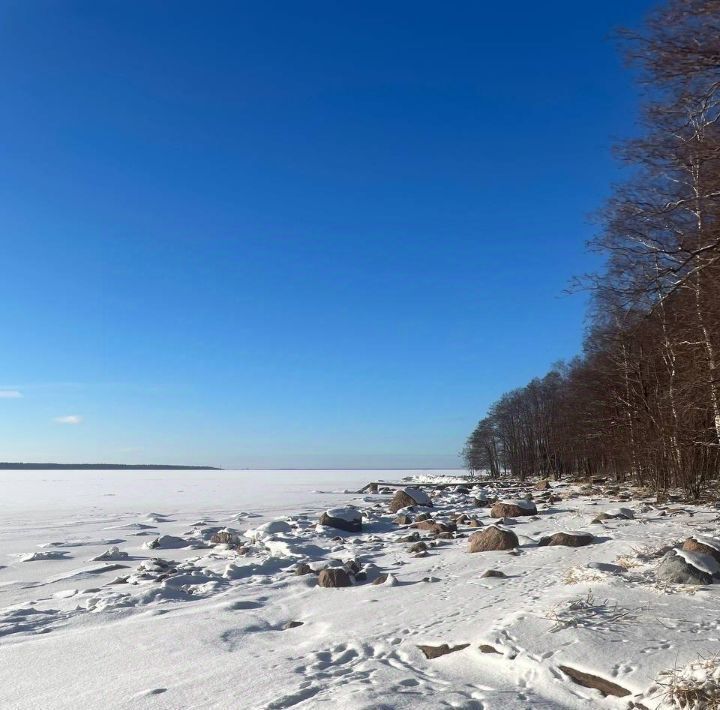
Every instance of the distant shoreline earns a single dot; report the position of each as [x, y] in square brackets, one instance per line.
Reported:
[4, 466]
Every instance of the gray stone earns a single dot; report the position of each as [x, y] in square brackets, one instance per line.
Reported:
[674, 568]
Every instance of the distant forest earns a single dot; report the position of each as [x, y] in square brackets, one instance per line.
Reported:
[642, 402]
[99, 467]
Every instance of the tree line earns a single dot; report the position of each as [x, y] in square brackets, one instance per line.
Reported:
[642, 401]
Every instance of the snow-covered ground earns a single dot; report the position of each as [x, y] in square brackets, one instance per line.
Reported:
[115, 594]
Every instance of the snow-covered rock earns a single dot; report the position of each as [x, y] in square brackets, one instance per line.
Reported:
[167, 542]
[409, 497]
[268, 529]
[113, 554]
[682, 567]
[347, 519]
[513, 509]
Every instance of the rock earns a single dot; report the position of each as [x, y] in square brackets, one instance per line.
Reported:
[474, 523]
[387, 580]
[446, 535]
[492, 538]
[693, 544]
[460, 519]
[302, 569]
[572, 539]
[493, 573]
[334, 577]
[419, 547]
[588, 680]
[481, 502]
[413, 537]
[422, 516]
[407, 497]
[462, 489]
[352, 566]
[292, 625]
[487, 648]
[421, 554]
[435, 526]
[403, 519]
[503, 509]
[677, 568]
[615, 514]
[112, 555]
[606, 567]
[167, 542]
[225, 537]
[442, 650]
[269, 529]
[346, 519]
[543, 485]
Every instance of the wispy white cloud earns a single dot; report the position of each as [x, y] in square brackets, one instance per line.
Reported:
[69, 419]
[10, 394]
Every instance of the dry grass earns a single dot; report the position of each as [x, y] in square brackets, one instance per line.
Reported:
[578, 575]
[589, 613]
[695, 686]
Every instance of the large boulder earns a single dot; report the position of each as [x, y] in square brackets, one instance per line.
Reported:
[347, 519]
[682, 567]
[409, 497]
[492, 538]
[516, 509]
[334, 577]
[567, 539]
[543, 485]
[704, 545]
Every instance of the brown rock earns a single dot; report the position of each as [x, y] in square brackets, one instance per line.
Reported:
[588, 680]
[434, 526]
[442, 650]
[492, 538]
[474, 523]
[567, 539]
[542, 485]
[693, 545]
[512, 510]
[493, 573]
[487, 648]
[404, 499]
[381, 579]
[334, 577]
[403, 519]
[302, 569]
[418, 547]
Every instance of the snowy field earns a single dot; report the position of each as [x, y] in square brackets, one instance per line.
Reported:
[157, 589]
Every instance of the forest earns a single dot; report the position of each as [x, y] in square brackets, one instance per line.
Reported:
[642, 401]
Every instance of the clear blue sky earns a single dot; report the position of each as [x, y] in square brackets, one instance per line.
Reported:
[293, 233]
